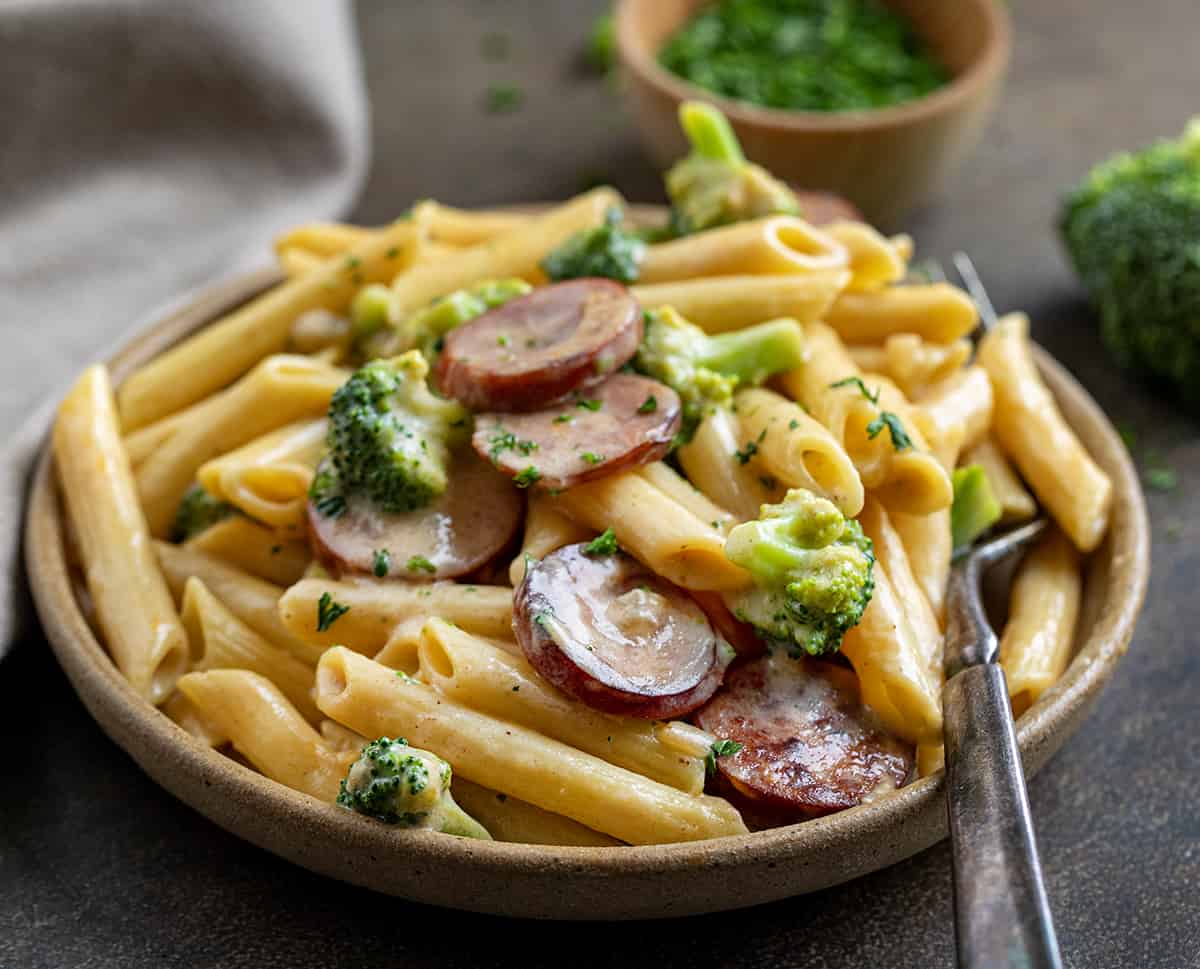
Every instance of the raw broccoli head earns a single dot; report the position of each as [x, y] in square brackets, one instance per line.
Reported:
[1132, 229]
[607, 250]
[715, 184]
[425, 329]
[812, 569]
[398, 784]
[389, 436]
[197, 511]
[704, 370]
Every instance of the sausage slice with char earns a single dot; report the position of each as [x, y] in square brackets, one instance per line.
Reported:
[627, 420]
[455, 534]
[611, 633]
[809, 746]
[540, 347]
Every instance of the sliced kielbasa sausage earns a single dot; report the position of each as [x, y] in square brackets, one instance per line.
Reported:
[626, 420]
[540, 347]
[614, 635]
[455, 534]
[808, 745]
[821, 208]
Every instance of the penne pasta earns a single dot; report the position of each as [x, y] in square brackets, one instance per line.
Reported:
[222, 352]
[180, 709]
[546, 530]
[296, 262]
[937, 312]
[1043, 608]
[1033, 433]
[269, 478]
[797, 450]
[656, 529]
[470, 671]
[708, 462]
[375, 608]
[280, 390]
[267, 730]
[928, 544]
[676, 487]
[514, 760]
[463, 227]
[254, 548]
[957, 413]
[779, 245]
[323, 239]
[875, 261]
[221, 641]
[132, 604]
[911, 363]
[253, 601]
[896, 649]
[721, 303]
[509, 819]
[1016, 503]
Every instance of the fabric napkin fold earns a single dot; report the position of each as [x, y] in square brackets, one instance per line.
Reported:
[150, 147]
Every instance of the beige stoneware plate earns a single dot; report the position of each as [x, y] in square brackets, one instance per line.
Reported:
[575, 883]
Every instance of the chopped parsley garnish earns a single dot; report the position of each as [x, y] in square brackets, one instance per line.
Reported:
[502, 98]
[527, 476]
[329, 611]
[383, 563]
[720, 748]
[857, 382]
[648, 406]
[502, 340]
[603, 544]
[592, 458]
[743, 455]
[419, 563]
[393, 252]
[900, 439]
[564, 418]
[589, 403]
[793, 424]
[276, 549]
[504, 440]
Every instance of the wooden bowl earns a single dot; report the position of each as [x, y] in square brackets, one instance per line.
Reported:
[571, 883]
[887, 160]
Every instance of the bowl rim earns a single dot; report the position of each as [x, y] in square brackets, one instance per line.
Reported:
[184, 766]
[990, 64]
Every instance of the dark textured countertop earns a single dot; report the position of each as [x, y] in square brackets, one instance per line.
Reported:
[100, 868]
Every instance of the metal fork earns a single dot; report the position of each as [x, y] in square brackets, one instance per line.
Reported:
[1001, 912]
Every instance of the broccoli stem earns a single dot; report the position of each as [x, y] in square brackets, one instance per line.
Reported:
[456, 821]
[756, 352]
[709, 133]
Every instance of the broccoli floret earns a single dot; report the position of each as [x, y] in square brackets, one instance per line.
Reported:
[715, 184]
[425, 329]
[704, 370]
[813, 573]
[398, 784]
[197, 511]
[1132, 229]
[389, 438]
[607, 250]
[975, 508]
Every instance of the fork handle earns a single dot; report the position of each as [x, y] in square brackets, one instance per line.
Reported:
[1002, 917]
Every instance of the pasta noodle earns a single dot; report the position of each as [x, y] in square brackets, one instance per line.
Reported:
[546, 529]
[515, 760]
[254, 548]
[875, 261]
[958, 410]
[937, 312]
[1016, 503]
[911, 363]
[509, 819]
[1034, 434]
[131, 601]
[708, 461]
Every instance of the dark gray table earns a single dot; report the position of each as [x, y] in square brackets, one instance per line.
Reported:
[100, 868]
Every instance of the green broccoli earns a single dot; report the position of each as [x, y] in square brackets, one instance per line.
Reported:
[975, 508]
[197, 511]
[1132, 229]
[425, 329]
[607, 250]
[812, 569]
[389, 438]
[704, 370]
[715, 184]
[401, 785]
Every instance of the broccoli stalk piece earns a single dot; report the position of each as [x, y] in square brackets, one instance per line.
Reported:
[812, 569]
[425, 329]
[704, 370]
[389, 438]
[607, 250]
[402, 785]
[197, 511]
[715, 184]
[1132, 230]
[975, 508]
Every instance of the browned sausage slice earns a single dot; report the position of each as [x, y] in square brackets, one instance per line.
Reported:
[614, 635]
[538, 348]
[626, 420]
[809, 746]
[821, 208]
[458, 532]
